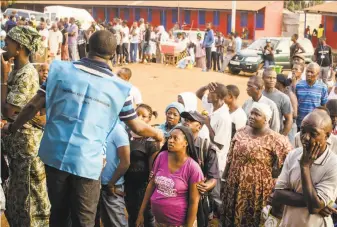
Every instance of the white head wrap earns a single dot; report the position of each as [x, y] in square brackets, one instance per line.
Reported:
[190, 101]
[264, 109]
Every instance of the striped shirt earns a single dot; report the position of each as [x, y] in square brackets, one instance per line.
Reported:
[309, 97]
[101, 69]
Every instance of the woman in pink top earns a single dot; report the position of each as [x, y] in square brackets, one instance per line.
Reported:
[172, 189]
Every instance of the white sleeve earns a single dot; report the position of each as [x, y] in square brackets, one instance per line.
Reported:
[60, 37]
[137, 96]
[222, 131]
[207, 106]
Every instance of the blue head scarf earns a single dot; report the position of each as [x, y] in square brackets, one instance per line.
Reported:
[178, 106]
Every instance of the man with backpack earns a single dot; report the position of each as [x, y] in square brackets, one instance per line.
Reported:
[208, 162]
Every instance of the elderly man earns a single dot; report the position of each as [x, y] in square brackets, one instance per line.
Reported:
[55, 42]
[307, 184]
[84, 101]
[255, 87]
[310, 93]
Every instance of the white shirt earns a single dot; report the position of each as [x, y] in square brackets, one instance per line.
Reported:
[303, 76]
[125, 31]
[44, 33]
[239, 118]
[221, 124]
[136, 96]
[324, 178]
[55, 38]
[118, 28]
[134, 37]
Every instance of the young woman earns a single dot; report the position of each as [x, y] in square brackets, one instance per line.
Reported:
[143, 151]
[173, 118]
[172, 189]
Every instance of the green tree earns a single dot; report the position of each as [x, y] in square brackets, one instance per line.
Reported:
[294, 5]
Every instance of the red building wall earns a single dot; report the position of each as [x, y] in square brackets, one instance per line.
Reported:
[331, 36]
[272, 20]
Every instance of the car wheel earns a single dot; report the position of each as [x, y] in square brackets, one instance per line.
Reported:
[234, 71]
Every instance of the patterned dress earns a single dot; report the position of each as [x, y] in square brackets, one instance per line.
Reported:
[27, 199]
[249, 181]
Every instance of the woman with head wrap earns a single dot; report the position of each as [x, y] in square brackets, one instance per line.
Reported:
[172, 189]
[200, 54]
[189, 100]
[28, 203]
[161, 37]
[173, 118]
[254, 160]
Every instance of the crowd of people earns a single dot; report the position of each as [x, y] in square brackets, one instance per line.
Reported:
[79, 149]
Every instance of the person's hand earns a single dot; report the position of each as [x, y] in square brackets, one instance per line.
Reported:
[327, 211]
[202, 187]
[207, 120]
[2, 123]
[212, 86]
[310, 154]
[58, 52]
[140, 220]
[159, 136]
[5, 69]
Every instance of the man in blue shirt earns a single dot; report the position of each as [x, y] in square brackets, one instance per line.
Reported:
[83, 102]
[112, 203]
[207, 44]
[310, 93]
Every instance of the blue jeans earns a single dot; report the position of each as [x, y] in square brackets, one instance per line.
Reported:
[133, 51]
[268, 63]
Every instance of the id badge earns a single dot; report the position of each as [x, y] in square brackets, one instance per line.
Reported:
[322, 56]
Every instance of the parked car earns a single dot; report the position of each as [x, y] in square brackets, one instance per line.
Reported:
[250, 59]
[26, 13]
[59, 12]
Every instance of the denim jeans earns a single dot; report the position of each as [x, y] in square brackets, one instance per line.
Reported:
[268, 63]
[73, 199]
[208, 57]
[133, 51]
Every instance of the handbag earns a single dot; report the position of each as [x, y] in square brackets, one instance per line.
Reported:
[270, 220]
[276, 170]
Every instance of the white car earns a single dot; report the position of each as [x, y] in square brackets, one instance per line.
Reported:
[82, 15]
[28, 14]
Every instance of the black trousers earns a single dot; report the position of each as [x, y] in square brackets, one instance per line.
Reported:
[208, 57]
[82, 52]
[214, 60]
[73, 199]
[125, 48]
[219, 58]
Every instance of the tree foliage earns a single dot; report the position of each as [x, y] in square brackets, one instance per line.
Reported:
[294, 5]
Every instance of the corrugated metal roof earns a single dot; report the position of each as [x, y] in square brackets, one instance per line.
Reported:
[218, 5]
[328, 7]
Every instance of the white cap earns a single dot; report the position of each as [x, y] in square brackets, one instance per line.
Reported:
[32, 17]
[2, 33]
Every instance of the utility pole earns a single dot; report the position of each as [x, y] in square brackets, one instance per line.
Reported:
[233, 15]
[178, 14]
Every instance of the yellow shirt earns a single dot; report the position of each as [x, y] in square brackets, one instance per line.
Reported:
[320, 32]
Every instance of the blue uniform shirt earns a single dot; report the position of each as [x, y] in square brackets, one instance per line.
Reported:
[116, 139]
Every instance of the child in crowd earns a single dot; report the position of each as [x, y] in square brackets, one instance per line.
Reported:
[136, 96]
[143, 152]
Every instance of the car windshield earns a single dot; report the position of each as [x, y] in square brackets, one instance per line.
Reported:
[261, 43]
[38, 16]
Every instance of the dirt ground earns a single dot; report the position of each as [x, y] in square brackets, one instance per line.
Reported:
[160, 85]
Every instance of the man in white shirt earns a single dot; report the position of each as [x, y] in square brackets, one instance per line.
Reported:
[219, 121]
[55, 42]
[142, 29]
[307, 183]
[45, 37]
[125, 41]
[255, 87]
[134, 41]
[238, 115]
[118, 29]
[136, 96]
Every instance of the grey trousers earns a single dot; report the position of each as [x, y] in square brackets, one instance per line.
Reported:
[225, 61]
[112, 209]
[73, 53]
[325, 74]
